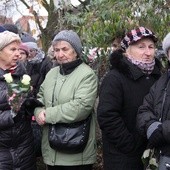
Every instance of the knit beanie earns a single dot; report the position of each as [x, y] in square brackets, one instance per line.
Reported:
[8, 37]
[2, 29]
[31, 45]
[136, 35]
[71, 37]
[24, 48]
[11, 27]
[166, 43]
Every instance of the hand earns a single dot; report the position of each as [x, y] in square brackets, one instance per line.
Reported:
[156, 139]
[41, 118]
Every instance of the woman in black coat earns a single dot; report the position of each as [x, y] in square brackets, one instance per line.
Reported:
[132, 74]
[16, 137]
[153, 119]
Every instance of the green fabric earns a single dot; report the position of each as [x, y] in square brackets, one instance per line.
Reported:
[73, 97]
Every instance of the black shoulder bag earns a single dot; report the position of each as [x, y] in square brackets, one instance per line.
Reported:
[69, 137]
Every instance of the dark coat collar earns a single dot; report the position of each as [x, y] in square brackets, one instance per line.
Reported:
[119, 62]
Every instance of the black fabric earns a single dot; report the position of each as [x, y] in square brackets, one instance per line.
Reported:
[16, 137]
[30, 104]
[37, 72]
[156, 139]
[120, 95]
[151, 110]
[69, 138]
[78, 167]
[37, 132]
[67, 68]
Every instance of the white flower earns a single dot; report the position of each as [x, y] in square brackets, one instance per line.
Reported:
[26, 79]
[146, 153]
[8, 78]
[152, 161]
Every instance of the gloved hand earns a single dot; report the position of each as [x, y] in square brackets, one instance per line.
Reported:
[29, 105]
[156, 139]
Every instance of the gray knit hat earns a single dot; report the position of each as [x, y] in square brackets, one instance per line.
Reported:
[166, 43]
[71, 37]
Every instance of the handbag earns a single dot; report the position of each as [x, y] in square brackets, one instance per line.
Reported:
[69, 138]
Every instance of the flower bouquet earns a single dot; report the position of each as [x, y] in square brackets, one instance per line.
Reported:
[149, 160]
[17, 91]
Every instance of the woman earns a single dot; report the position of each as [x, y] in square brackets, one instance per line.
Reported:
[68, 93]
[153, 119]
[132, 74]
[37, 66]
[16, 138]
[24, 53]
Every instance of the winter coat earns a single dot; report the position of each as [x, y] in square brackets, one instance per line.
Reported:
[16, 138]
[121, 93]
[155, 106]
[37, 72]
[72, 97]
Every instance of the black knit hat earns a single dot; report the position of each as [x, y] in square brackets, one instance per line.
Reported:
[11, 27]
[136, 35]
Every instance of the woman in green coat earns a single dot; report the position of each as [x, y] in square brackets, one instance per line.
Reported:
[68, 94]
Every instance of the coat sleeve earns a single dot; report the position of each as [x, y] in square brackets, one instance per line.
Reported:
[146, 114]
[109, 114]
[6, 119]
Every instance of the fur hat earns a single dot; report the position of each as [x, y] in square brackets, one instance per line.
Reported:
[136, 35]
[71, 37]
[24, 48]
[8, 37]
[166, 43]
[11, 27]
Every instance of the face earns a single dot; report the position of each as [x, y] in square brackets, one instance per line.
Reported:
[23, 55]
[64, 52]
[32, 53]
[143, 50]
[9, 55]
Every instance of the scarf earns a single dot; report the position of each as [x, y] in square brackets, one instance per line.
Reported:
[146, 68]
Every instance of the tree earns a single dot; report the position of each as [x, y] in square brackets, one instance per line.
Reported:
[104, 20]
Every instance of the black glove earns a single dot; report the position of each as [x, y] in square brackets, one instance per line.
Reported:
[30, 104]
[156, 139]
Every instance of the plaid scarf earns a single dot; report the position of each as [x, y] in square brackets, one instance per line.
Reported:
[146, 68]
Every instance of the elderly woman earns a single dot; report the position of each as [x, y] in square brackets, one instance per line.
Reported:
[16, 138]
[133, 72]
[68, 93]
[153, 119]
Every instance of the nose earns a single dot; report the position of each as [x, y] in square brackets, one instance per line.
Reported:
[148, 51]
[60, 54]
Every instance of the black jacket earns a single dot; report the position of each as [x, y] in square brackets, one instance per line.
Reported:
[155, 106]
[121, 93]
[16, 138]
[37, 72]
